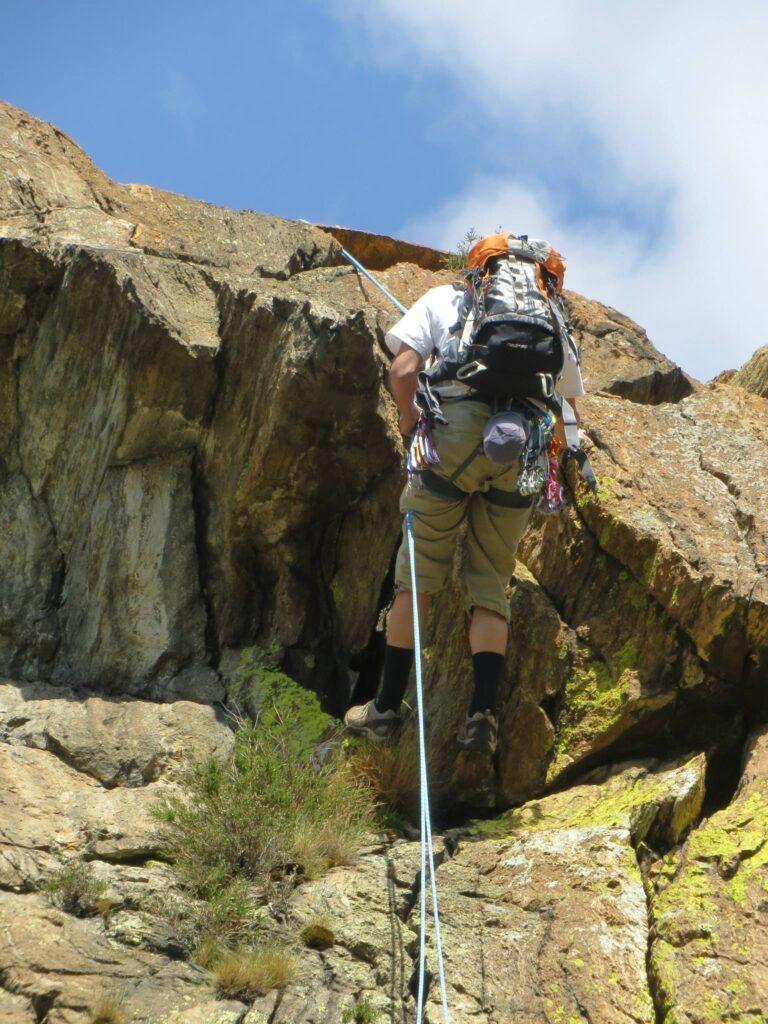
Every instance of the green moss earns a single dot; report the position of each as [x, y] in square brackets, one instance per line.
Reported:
[637, 596]
[275, 700]
[594, 699]
[737, 838]
[605, 534]
[651, 568]
[627, 800]
[625, 659]
[724, 860]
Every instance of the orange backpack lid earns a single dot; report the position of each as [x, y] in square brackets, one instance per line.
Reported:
[498, 244]
[482, 251]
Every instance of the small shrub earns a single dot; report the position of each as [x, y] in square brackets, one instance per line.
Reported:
[75, 888]
[109, 1010]
[230, 916]
[458, 260]
[245, 974]
[263, 811]
[362, 1012]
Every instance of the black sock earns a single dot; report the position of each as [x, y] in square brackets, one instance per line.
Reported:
[487, 667]
[397, 668]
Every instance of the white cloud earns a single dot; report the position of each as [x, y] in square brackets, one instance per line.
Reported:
[653, 99]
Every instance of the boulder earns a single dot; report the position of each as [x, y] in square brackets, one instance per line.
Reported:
[619, 359]
[65, 966]
[120, 743]
[50, 812]
[708, 909]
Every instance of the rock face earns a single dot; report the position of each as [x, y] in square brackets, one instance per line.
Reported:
[753, 376]
[198, 454]
[709, 909]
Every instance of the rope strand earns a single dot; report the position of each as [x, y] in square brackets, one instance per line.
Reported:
[427, 848]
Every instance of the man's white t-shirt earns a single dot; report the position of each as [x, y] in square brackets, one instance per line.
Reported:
[434, 318]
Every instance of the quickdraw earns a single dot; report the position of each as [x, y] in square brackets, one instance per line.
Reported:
[533, 478]
[552, 499]
[423, 451]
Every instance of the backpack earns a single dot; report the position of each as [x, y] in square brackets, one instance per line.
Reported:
[511, 338]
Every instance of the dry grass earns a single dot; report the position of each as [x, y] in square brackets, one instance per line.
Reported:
[109, 1010]
[207, 951]
[391, 772]
[245, 974]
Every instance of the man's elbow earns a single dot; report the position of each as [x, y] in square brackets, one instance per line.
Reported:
[405, 367]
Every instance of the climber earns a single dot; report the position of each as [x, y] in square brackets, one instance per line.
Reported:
[474, 482]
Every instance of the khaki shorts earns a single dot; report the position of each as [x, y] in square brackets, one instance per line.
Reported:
[494, 528]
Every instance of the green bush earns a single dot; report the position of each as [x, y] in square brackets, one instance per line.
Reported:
[263, 813]
[74, 888]
[264, 694]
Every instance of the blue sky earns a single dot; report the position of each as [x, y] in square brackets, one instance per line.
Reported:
[273, 107]
[596, 125]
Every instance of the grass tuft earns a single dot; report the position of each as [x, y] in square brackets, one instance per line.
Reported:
[247, 829]
[109, 1010]
[317, 934]
[75, 889]
[363, 1012]
[390, 772]
[245, 974]
[264, 811]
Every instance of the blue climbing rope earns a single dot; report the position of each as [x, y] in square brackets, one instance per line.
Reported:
[372, 279]
[427, 846]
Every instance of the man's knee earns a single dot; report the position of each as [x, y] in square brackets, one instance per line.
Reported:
[480, 611]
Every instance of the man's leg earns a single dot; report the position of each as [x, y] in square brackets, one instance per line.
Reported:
[492, 539]
[398, 656]
[435, 522]
[488, 635]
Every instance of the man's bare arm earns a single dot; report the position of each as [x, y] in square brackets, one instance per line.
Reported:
[403, 380]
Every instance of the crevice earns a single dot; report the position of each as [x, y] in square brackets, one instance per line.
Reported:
[136, 859]
[199, 496]
[41, 1003]
[653, 982]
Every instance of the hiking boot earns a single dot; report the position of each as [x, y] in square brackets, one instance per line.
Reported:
[479, 732]
[366, 720]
